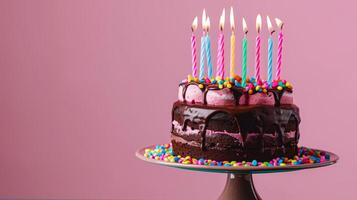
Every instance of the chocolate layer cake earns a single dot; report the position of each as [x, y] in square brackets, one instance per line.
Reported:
[232, 123]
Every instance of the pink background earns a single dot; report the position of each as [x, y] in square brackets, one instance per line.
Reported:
[83, 84]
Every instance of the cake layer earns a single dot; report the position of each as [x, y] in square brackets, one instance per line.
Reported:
[237, 154]
[235, 132]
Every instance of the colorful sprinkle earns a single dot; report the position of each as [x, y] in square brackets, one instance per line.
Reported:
[305, 156]
[238, 78]
[253, 86]
[189, 78]
[257, 88]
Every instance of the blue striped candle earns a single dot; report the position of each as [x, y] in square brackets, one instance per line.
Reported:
[270, 60]
[270, 52]
[209, 57]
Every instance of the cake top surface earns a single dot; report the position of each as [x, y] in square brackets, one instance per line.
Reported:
[229, 92]
[252, 85]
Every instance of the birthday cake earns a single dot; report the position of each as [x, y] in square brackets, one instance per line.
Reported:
[235, 118]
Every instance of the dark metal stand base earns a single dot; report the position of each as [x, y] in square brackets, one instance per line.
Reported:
[239, 187]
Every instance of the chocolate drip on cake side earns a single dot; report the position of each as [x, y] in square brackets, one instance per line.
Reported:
[248, 119]
[237, 93]
[184, 88]
[277, 96]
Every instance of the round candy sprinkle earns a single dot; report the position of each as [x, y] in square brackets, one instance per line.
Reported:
[200, 86]
[207, 80]
[280, 88]
[257, 88]
[189, 78]
[275, 84]
[254, 163]
[305, 156]
[238, 78]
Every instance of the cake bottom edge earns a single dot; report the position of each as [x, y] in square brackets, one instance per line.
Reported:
[267, 154]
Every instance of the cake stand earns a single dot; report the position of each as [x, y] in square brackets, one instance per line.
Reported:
[239, 184]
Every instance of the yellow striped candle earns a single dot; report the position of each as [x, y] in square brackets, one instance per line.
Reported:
[233, 46]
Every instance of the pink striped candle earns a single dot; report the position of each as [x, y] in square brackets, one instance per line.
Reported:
[220, 56]
[280, 24]
[257, 48]
[193, 47]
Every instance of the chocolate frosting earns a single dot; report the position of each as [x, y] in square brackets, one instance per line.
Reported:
[261, 127]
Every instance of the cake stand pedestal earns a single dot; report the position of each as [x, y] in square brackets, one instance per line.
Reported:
[239, 184]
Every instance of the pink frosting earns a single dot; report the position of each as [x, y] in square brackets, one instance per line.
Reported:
[261, 99]
[220, 97]
[287, 98]
[193, 94]
[225, 97]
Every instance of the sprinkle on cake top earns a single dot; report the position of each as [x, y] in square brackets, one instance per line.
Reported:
[252, 85]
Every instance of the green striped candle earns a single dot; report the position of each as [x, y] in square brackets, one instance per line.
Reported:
[244, 53]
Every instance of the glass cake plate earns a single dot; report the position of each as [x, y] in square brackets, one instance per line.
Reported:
[239, 185]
